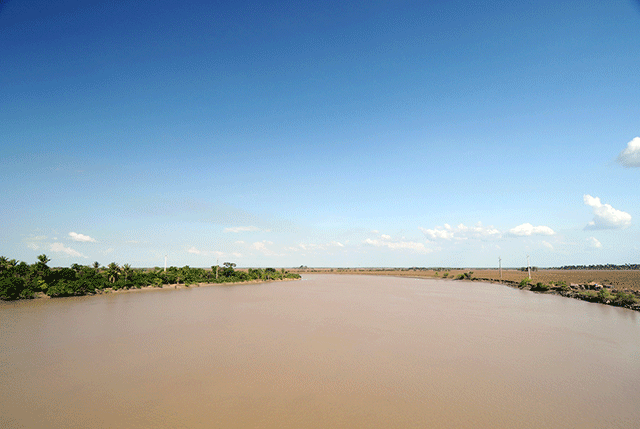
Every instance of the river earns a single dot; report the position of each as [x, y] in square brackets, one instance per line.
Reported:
[328, 351]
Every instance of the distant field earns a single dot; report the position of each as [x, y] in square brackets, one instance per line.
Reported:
[619, 279]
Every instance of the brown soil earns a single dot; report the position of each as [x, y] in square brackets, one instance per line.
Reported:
[618, 279]
[614, 287]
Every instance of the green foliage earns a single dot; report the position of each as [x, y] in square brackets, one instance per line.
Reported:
[21, 280]
[445, 275]
[624, 299]
[465, 276]
[589, 295]
[605, 295]
[11, 288]
[540, 287]
[524, 283]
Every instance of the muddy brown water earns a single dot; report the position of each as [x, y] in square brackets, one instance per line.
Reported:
[327, 351]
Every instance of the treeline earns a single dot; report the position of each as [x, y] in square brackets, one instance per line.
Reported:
[19, 280]
[600, 267]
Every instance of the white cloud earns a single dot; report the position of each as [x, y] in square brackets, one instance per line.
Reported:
[261, 246]
[386, 237]
[399, 245]
[195, 251]
[547, 245]
[605, 216]
[34, 242]
[630, 157]
[528, 229]
[60, 248]
[462, 232]
[81, 237]
[593, 242]
[242, 229]
[439, 232]
[310, 247]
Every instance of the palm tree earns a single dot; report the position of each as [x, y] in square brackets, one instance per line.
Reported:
[96, 266]
[126, 270]
[113, 270]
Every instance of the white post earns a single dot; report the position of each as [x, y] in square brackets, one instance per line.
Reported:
[165, 263]
[500, 267]
[528, 267]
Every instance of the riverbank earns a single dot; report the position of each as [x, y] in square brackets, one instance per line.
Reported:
[619, 288]
[106, 291]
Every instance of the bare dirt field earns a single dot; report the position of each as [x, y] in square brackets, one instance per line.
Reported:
[618, 279]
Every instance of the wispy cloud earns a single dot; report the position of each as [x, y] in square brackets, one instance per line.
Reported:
[261, 246]
[397, 245]
[195, 251]
[593, 242]
[61, 248]
[316, 247]
[81, 237]
[242, 229]
[630, 157]
[605, 216]
[526, 229]
[462, 232]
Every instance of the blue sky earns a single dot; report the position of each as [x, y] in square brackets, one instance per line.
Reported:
[378, 133]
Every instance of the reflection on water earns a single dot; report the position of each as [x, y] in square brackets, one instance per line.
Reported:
[330, 351]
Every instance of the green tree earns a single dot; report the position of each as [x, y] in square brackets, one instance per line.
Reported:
[113, 272]
[126, 270]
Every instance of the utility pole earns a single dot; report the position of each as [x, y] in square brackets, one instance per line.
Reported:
[217, 263]
[500, 267]
[165, 263]
[528, 267]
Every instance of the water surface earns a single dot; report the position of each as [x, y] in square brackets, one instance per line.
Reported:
[327, 351]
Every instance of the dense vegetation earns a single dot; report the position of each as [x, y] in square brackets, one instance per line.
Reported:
[600, 267]
[19, 280]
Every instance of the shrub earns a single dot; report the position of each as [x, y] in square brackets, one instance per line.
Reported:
[604, 295]
[445, 275]
[589, 295]
[524, 283]
[541, 287]
[11, 288]
[623, 299]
